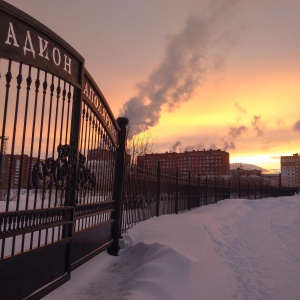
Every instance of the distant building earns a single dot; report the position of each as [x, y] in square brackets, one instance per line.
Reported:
[99, 154]
[3, 140]
[290, 170]
[210, 162]
[17, 170]
[243, 172]
[274, 178]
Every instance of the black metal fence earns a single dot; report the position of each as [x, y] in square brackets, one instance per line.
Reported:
[150, 191]
[61, 160]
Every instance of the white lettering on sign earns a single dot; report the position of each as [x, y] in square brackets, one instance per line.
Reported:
[43, 48]
[28, 42]
[11, 34]
[92, 96]
[43, 45]
[67, 64]
[56, 56]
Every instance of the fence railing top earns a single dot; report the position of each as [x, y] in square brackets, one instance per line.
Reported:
[22, 36]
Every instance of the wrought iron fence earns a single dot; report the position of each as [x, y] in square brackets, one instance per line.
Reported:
[151, 191]
[61, 160]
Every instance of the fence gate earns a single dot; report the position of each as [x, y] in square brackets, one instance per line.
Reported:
[61, 160]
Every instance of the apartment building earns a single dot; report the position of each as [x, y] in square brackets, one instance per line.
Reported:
[290, 170]
[206, 162]
[16, 169]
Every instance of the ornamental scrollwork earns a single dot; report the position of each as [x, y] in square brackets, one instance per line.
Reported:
[57, 173]
[86, 178]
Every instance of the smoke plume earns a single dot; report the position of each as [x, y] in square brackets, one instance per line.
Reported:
[296, 126]
[257, 125]
[237, 131]
[175, 146]
[187, 57]
[240, 109]
[197, 146]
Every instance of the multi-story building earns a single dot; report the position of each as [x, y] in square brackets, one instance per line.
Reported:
[290, 170]
[206, 162]
[3, 140]
[17, 170]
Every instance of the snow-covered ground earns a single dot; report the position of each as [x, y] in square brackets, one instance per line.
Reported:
[235, 249]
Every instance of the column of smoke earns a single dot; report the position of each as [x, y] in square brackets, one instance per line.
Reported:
[202, 44]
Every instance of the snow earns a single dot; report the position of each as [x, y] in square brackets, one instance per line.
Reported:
[235, 249]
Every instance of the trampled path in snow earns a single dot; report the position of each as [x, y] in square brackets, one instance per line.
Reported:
[235, 249]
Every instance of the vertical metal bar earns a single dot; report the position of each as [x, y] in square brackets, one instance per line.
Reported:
[58, 91]
[206, 191]
[216, 192]
[92, 153]
[118, 189]
[248, 186]
[158, 190]
[189, 191]
[8, 77]
[101, 167]
[12, 157]
[64, 93]
[177, 192]
[71, 197]
[37, 85]
[199, 191]
[88, 146]
[45, 85]
[48, 133]
[97, 162]
[80, 144]
[28, 81]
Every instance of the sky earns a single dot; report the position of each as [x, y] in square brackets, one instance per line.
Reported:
[213, 74]
[234, 249]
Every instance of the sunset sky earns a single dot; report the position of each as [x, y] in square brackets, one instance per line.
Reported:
[199, 74]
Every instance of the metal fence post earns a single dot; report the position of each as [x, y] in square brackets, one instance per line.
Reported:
[206, 191]
[158, 190]
[177, 192]
[70, 199]
[199, 192]
[216, 192]
[118, 190]
[189, 192]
